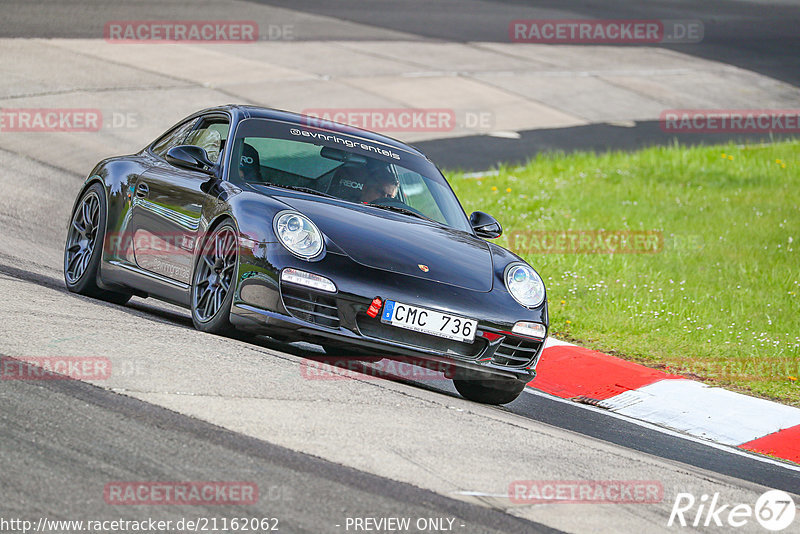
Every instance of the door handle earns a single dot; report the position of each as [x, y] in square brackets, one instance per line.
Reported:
[142, 190]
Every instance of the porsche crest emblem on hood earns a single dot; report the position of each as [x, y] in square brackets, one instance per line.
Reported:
[423, 268]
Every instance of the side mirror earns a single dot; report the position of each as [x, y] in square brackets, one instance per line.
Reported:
[485, 225]
[190, 157]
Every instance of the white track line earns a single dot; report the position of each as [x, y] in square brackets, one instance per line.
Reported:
[667, 431]
[704, 411]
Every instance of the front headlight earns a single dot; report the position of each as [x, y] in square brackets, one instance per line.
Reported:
[298, 234]
[524, 285]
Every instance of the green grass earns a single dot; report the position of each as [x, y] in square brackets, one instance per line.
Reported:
[720, 301]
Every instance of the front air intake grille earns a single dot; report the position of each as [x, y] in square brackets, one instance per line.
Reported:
[516, 351]
[310, 306]
[375, 328]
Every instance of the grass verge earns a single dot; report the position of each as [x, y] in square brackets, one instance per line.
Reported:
[703, 276]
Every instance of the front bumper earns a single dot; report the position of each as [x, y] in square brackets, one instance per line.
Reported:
[265, 304]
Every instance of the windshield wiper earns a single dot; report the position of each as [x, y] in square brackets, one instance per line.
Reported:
[398, 209]
[298, 188]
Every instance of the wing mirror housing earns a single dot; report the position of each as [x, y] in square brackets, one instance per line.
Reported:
[190, 157]
[485, 225]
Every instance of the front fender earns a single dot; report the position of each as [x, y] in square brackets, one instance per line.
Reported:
[253, 214]
[501, 258]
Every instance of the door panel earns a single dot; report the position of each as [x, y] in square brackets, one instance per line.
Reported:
[168, 206]
[167, 212]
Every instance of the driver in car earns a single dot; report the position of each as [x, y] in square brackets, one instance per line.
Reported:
[379, 185]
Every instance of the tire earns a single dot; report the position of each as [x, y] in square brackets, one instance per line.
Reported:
[214, 280]
[490, 391]
[83, 250]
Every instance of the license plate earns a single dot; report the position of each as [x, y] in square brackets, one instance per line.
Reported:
[429, 321]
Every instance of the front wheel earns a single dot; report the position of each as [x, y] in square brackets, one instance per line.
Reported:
[489, 391]
[84, 247]
[214, 279]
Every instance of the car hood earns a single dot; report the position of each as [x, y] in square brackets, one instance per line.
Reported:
[402, 244]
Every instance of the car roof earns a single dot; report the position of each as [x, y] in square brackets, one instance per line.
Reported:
[247, 111]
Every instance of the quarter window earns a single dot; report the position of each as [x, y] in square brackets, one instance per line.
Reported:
[210, 135]
[174, 138]
[207, 133]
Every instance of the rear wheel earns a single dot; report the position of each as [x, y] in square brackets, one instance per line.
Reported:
[84, 248]
[214, 278]
[489, 391]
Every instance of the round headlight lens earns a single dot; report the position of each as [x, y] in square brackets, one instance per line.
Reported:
[524, 285]
[298, 234]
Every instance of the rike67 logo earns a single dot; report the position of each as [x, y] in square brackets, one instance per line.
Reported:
[774, 510]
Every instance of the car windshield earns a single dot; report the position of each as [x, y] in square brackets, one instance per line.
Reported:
[343, 166]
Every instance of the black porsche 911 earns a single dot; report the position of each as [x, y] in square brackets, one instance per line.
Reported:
[269, 222]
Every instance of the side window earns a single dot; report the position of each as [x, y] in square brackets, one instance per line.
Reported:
[211, 135]
[173, 138]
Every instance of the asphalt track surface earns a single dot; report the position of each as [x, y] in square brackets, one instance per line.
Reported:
[760, 36]
[757, 36]
[480, 152]
[62, 441]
